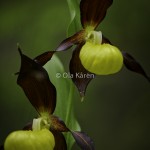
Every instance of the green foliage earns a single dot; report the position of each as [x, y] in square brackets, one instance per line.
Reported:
[65, 90]
[64, 86]
[75, 24]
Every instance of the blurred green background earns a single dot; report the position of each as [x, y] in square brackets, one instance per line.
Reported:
[116, 110]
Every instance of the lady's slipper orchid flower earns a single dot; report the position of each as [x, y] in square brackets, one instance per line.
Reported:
[94, 53]
[45, 132]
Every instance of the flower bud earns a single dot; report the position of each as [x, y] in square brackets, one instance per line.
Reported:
[101, 59]
[30, 140]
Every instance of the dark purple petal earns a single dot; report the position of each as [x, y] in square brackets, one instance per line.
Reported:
[93, 11]
[44, 58]
[73, 40]
[28, 126]
[133, 65]
[81, 77]
[1, 147]
[84, 141]
[58, 125]
[36, 84]
[105, 40]
[60, 142]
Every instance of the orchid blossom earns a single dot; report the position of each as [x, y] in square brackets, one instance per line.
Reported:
[45, 131]
[94, 53]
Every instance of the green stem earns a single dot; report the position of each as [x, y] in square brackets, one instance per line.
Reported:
[75, 16]
[73, 5]
[70, 99]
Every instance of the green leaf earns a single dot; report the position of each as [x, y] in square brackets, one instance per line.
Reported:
[65, 90]
[75, 23]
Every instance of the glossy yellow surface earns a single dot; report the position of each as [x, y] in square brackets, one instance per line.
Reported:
[101, 59]
[30, 140]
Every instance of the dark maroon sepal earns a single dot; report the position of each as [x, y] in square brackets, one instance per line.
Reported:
[35, 82]
[83, 141]
[2, 147]
[80, 76]
[73, 40]
[133, 65]
[93, 11]
[58, 125]
[105, 40]
[28, 126]
[60, 142]
[44, 58]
